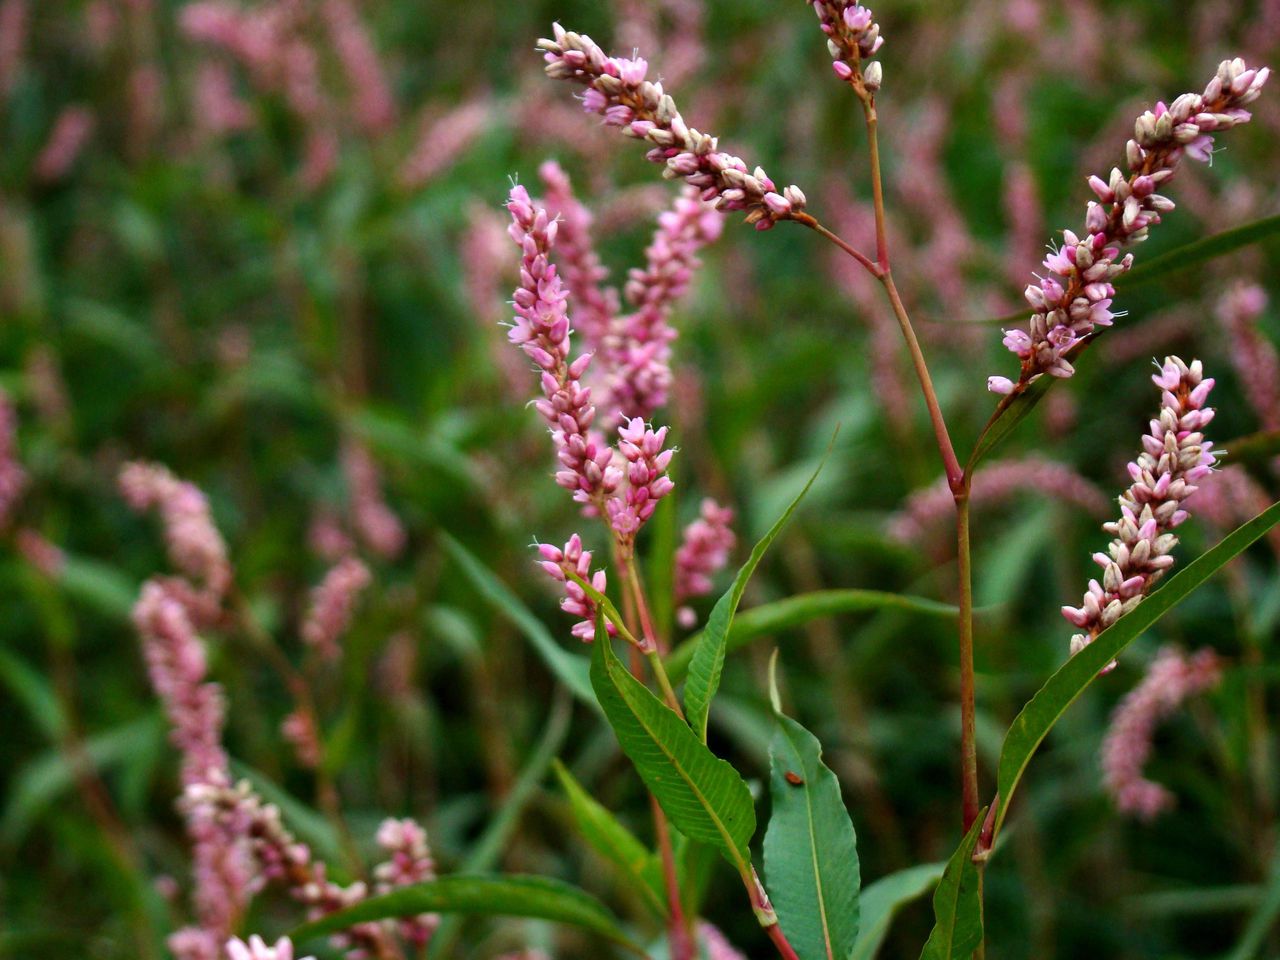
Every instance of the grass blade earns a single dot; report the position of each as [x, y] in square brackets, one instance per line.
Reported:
[707, 661]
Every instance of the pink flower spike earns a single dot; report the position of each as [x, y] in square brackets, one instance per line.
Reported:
[1152, 506]
[1123, 214]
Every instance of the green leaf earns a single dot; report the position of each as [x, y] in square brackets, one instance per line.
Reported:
[810, 851]
[102, 588]
[1206, 248]
[1256, 448]
[37, 785]
[707, 662]
[703, 795]
[615, 843]
[1031, 726]
[29, 687]
[490, 845]
[957, 904]
[571, 670]
[770, 618]
[1263, 919]
[495, 896]
[881, 901]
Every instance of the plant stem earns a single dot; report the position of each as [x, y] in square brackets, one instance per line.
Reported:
[877, 185]
[968, 742]
[764, 911]
[678, 931]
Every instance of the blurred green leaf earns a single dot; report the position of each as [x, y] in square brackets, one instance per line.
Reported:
[881, 901]
[703, 795]
[707, 662]
[810, 850]
[489, 896]
[33, 691]
[609, 838]
[101, 588]
[1263, 919]
[37, 785]
[770, 618]
[571, 670]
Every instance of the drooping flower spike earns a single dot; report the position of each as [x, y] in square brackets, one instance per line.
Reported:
[1171, 679]
[1174, 457]
[558, 564]
[1075, 295]
[618, 91]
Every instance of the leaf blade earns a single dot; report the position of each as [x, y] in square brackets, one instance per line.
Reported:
[801, 609]
[542, 898]
[614, 842]
[881, 901]
[571, 670]
[706, 799]
[810, 849]
[707, 661]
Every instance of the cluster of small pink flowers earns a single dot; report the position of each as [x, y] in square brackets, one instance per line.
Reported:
[218, 108]
[1175, 456]
[703, 552]
[13, 478]
[299, 730]
[71, 131]
[409, 861]
[639, 352]
[257, 949]
[853, 37]
[176, 664]
[195, 546]
[1172, 679]
[332, 603]
[541, 329]
[1252, 353]
[647, 481]
[595, 306]
[280, 857]
[1075, 296]
[573, 559]
[327, 538]
[618, 91]
[373, 107]
[374, 521]
[992, 484]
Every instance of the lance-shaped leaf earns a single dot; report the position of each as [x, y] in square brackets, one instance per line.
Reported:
[703, 795]
[881, 901]
[708, 656]
[609, 838]
[494, 896]
[770, 618]
[957, 904]
[810, 851]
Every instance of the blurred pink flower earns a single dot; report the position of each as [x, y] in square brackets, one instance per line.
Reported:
[13, 478]
[1253, 355]
[375, 523]
[372, 105]
[70, 133]
[1171, 679]
[443, 140]
[332, 603]
[703, 552]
